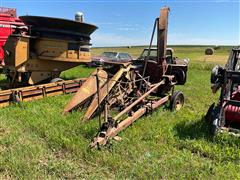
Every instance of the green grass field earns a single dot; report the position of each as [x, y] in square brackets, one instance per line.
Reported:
[38, 142]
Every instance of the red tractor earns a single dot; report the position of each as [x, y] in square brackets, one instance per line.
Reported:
[9, 23]
[225, 116]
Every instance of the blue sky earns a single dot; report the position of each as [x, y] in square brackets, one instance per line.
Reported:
[130, 22]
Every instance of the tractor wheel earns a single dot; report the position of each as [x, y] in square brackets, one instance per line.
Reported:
[56, 80]
[176, 101]
[181, 77]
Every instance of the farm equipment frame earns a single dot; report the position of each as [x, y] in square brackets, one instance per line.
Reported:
[225, 116]
[127, 91]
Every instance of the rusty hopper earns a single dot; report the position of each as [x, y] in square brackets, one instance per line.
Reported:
[49, 47]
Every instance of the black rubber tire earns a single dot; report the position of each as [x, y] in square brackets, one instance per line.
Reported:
[176, 101]
[180, 77]
[56, 80]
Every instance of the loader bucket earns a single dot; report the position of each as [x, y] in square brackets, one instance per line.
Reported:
[87, 90]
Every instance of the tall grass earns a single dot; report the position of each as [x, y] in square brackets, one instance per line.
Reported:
[38, 142]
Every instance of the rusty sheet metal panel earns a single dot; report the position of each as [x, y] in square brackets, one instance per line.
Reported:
[60, 50]
[103, 92]
[162, 32]
[22, 51]
[88, 89]
[17, 51]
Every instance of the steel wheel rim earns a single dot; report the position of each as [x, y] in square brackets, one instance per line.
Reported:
[178, 105]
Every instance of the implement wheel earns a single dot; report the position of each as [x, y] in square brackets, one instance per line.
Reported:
[176, 101]
[181, 77]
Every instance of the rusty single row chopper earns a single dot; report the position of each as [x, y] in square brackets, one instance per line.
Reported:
[127, 91]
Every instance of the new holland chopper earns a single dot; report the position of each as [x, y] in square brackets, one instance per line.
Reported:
[126, 91]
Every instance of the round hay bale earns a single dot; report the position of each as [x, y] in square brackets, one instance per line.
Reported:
[128, 47]
[209, 51]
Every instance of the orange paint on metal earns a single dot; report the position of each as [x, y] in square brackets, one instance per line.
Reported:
[87, 90]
